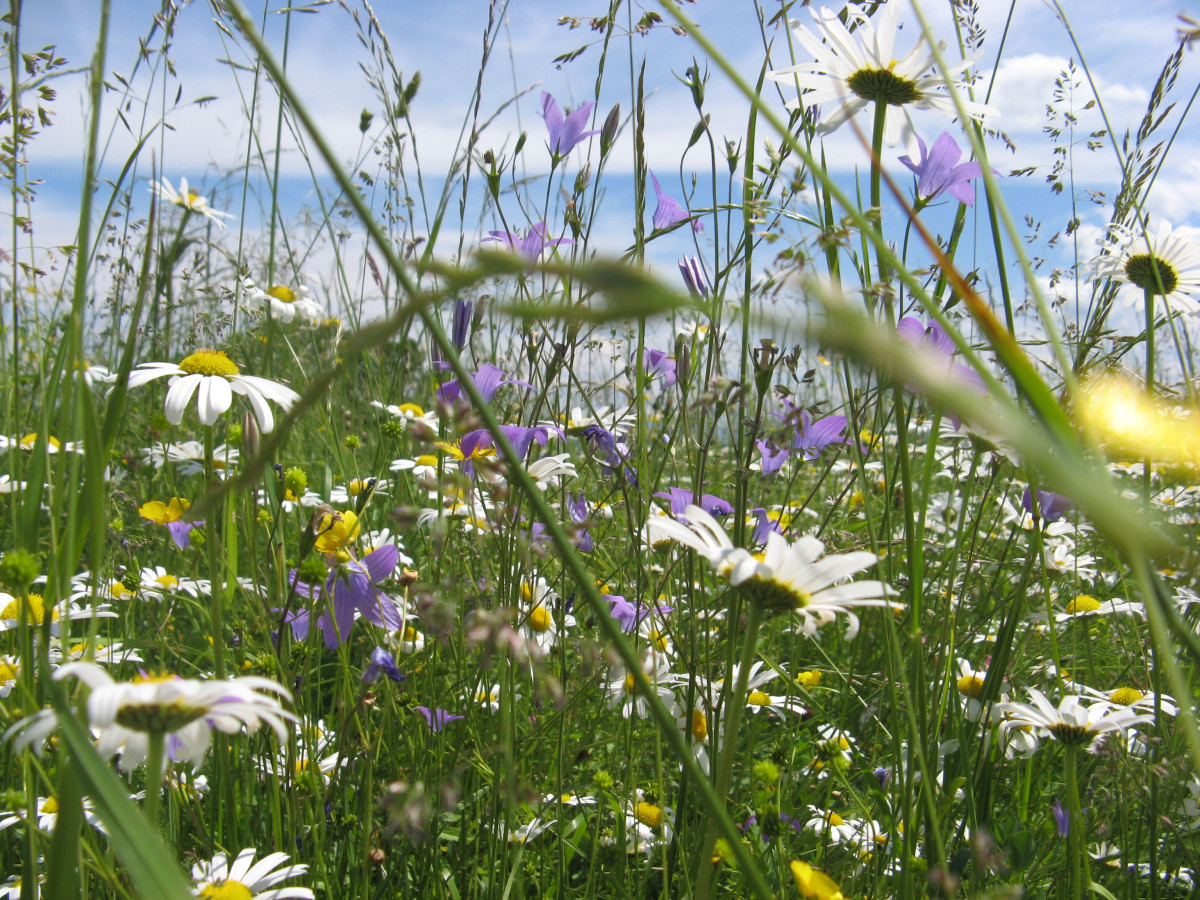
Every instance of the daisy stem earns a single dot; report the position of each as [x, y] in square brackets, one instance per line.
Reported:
[876, 178]
[216, 587]
[1147, 474]
[154, 766]
[1074, 830]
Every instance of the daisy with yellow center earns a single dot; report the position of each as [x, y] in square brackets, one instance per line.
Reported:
[188, 200]
[540, 620]
[32, 608]
[1071, 722]
[1163, 263]
[286, 304]
[245, 879]
[794, 577]
[1086, 606]
[648, 824]
[858, 70]
[213, 378]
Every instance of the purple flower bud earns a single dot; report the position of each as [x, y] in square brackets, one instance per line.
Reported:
[1050, 506]
[382, 663]
[693, 277]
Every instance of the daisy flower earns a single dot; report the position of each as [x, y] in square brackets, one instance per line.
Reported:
[624, 693]
[102, 654]
[156, 582]
[287, 304]
[1071, 722]
[786, 576]
[828, 822]
[10, 667]
[695, 733]
[188, 200]
[410, 412]
[857, 70]
[214, 378]
[539, 623]
[32, 440]
[648, 824]
[32, 608]
[1164, 263]
[185, 710]
[1086, 605]
[524, 833]
[245, 879]
[47, 815]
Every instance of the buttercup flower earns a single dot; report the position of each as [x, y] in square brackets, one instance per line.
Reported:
[857, 70]
[188, 200]
[214, 378]
[170, 515]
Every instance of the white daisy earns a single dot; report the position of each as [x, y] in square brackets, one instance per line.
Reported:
[648, 824]
[857, 70]
[47, 815]
[245, 879]
[287, 304]
[539, 622]
[1071, 722]
[186, 711]
[785, 576]
[188, 200]
[32, 608]
[1132, 258]
[214, 378]
[1086, 605]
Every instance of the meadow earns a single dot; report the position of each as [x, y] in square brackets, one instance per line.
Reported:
[419, 538]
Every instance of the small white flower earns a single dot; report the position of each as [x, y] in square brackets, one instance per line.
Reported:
[246, 879]
[1071, 722]
[287, 304]
[188, 200]
[1132, 258]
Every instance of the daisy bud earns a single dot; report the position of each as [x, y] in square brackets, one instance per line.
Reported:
[251, 435]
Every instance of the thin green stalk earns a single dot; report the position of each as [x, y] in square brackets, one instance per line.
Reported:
[155, 750]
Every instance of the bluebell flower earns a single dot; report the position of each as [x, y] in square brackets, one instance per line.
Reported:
[577, 509]
[382, 663]
[773, 457]
[930, 339]
[1062, 819]
[566, 132]
[693, 277]
[436, 719]
[488, 380]
[937, 171]
[531, 245]
[681, 498]
[350, 587]
[668, 213]
[1050, 506]
[658, 362]
[813, 437]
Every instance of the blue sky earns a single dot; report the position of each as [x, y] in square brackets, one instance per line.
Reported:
[443, 42]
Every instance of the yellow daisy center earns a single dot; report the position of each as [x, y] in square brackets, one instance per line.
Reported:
[8, 672]
[540, 619]
[226, 890]
[355, 487]
[411, 409]
[1126, 696]
[167, 581]
[50, 806]
[31, 607]
[758, 698]
[699, 726]
[282, 293]
[209, 362]
[1083, 603]
[970, 685]
[834, 819]
[648, 814]
[630, 684]
[30, 441]
[410, 634]
[657, 640]
[427, 459]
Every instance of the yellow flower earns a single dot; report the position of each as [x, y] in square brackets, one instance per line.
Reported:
[336, 531]
[164, 513]
[814, 883]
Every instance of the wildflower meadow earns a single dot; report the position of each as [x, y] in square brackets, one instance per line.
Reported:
[500, 450]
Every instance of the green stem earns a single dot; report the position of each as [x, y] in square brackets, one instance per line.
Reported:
[1074, 827]
[154, 779]
[876, 178]
[215, 570]
[1148, 474]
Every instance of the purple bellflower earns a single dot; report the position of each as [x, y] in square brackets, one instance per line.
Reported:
[577, 509]
[531, 245]
[938, 171]
[565, 131]
[764, 525]
[681, 498]
[436, 719]
[773, 457]
[631, 615]
[932, 340]
[521, 438]
[657, 362]
[610, 452]
[488, 380]
[668, 213]
[351, 587]
[382, 663]
[813, 437]
[1050, 506]
[1062, 819]
[693, 276]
